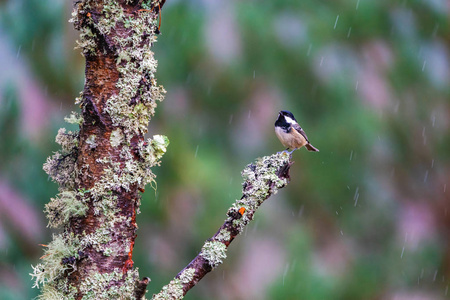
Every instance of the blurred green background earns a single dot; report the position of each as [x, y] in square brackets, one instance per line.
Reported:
[368, 217]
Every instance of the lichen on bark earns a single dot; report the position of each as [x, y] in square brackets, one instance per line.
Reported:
[101, 168]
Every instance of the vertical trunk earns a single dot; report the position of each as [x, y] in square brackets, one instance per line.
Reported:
[102, 167]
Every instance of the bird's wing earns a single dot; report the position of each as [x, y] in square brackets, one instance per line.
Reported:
[300, 130]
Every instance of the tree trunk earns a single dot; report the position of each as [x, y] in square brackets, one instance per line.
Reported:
[102, 168]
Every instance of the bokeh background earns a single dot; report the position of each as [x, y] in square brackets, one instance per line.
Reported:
[368, 217]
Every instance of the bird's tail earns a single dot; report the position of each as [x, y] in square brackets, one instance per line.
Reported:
[311, 148]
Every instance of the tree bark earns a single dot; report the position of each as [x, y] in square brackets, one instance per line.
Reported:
[102, 168]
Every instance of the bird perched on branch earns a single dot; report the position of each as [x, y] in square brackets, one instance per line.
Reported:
[290, 134]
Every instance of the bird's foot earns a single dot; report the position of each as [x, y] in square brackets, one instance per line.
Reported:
[290, 153]
[286, 151]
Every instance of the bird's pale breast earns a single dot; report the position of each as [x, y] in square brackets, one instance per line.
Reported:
[292, 139]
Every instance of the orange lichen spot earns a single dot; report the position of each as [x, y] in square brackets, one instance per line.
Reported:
[88, 15]
[141, 190]
[129, 262]
[242, 210]
[128, 265]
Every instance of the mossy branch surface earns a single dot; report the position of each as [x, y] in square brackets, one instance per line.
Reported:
[262, 179]
[102, 166]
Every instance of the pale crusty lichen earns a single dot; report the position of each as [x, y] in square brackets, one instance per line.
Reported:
[116, 177]
[74, 118]
[171, 291]
[91, 141]
[214, 252]
[187, 275]
[104, 285]
[129, 49]
[116, 137]
[223, 236]
[174, 290]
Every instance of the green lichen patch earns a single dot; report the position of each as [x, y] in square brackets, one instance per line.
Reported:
[172, 291]
[66, 205]
[187, 275]
[49, 292]
[106, 285]
[153, 149]
[52, 267]
[113, 32]
[223, 236]
[117, 176]
[74, 118]
[214, 252]
[261, 179]
[116, 137]
[91, 141]
[61, 166]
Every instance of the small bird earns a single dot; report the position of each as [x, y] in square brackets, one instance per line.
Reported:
[290, 134]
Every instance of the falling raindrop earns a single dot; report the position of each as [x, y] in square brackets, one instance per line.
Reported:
[435, 274]
[425, 177]
[335, 23]
[300, 211]
[356, 196]
[445, 187]
[321, 61]
[423, 136]
[231, 119]
[286, 269]
[435, 29]
[356, 87]
[309, 50]
[254, 74]
[349, 32]
[351, 155]
[357, 4]
[432, 163]
[424, 64]
[18, 52]
[249, 114]
[403, 250]
[196, 151]
[433, 120]
[342, 233]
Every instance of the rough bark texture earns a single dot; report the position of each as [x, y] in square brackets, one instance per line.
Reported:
[261, 180]
[101, 168]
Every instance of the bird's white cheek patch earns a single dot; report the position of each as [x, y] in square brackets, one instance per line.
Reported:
[289, 120]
